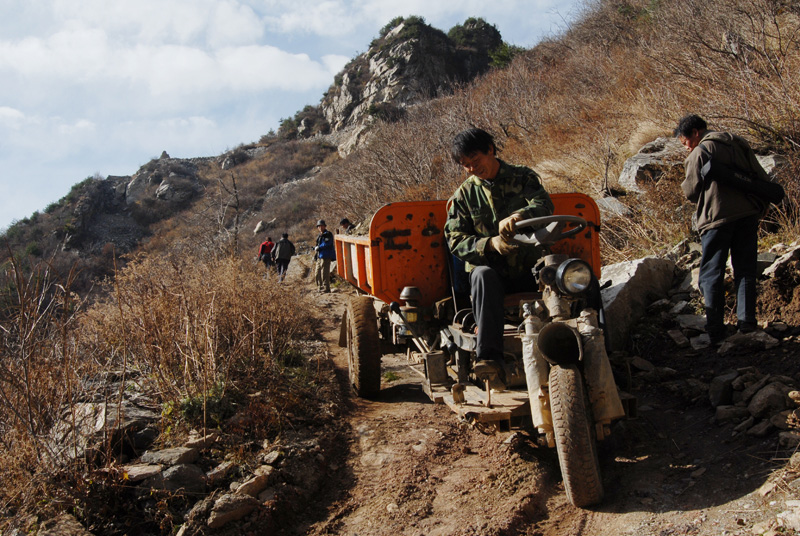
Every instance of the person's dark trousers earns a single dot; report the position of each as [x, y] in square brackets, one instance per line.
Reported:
[283, 266]
[488, 290]
[740, 239]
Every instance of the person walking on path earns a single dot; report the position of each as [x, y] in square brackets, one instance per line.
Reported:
[727, 219]
[479, 230]
[324, 253]
[283, 253]
[265, 253]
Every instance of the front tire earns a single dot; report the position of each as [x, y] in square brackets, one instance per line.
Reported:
[575, 440]
[363, 347]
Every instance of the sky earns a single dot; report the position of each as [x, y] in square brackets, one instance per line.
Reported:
[101, 87]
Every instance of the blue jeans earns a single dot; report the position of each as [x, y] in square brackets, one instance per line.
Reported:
[740, 239]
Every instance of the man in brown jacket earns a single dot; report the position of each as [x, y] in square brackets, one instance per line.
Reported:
[727, 219]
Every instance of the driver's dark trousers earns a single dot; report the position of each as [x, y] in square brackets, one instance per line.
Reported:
[487, 290]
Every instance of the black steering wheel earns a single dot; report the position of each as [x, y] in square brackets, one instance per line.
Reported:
[547, 230]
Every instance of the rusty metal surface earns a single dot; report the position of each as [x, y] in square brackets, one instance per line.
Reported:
[406, 247]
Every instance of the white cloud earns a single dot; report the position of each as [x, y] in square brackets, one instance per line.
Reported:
[104, 85]
[11, 117]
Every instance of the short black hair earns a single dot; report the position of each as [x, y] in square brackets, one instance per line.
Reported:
[471, 141]
[285, 235]
[689, 123]
[344, 221]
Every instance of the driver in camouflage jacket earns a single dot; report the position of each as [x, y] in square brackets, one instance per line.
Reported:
[480, 224]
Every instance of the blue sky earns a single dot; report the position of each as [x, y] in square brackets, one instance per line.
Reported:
[102, 86]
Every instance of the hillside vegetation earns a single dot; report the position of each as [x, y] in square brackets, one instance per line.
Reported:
[183, 306]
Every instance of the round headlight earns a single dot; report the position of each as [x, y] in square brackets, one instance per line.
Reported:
[574, 276]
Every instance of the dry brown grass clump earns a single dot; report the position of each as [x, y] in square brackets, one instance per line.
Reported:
[201, 335]
[190, 325]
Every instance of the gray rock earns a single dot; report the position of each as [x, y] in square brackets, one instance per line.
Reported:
[642, 364]
[789, 440]
[231, 508]
[174, 456]
[633, 286]
[743, 341]
[258, 482]
[141, 471]
[728, 413]
[188, 478]
[202, 442]
[651, 162]
[754, 387]
[700, 342]
[680, 308]
[761, 429]
[218, 474]
[611, 207]
[771, 399]
[678, 338]
[745, 424]
[783, 260]
[781, 420]
[272, 457]
[765, 260]
[691, 282]
[63, 525]
[695, 322]
[720, 392]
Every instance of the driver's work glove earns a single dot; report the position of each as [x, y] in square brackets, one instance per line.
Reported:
[507, 225]
[501, 245]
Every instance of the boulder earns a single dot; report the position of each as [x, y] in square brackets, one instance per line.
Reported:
[720, 392]
[258, 482]
[187, 478]
[773, 398]
[230, 508]
[632, 286]
[651, 162]
[611, 207]
[792, 255]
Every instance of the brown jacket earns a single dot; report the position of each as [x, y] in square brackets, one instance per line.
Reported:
[718, 204]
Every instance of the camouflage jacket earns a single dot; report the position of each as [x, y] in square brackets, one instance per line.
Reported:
[476, 209]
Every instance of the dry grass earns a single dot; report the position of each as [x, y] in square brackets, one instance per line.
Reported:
[201, 334]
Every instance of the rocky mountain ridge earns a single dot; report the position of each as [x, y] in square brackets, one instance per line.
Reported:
[410, 63]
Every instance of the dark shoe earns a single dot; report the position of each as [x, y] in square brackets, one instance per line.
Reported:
[491, 371]
[717, 335]
[746, 327]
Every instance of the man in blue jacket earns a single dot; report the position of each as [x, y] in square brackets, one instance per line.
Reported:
[324, 253]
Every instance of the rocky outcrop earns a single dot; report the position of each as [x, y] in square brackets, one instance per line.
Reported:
[630, 287]
[410, 63]
[660, 157]
[169, 179]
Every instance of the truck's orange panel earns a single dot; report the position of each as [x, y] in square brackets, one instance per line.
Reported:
[585, 245]
[406, 247]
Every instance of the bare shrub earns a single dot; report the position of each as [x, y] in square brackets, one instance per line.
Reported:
[40, 373]
[189, 324]
[657, 218]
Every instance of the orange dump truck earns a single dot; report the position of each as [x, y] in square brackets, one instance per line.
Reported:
[555, 374]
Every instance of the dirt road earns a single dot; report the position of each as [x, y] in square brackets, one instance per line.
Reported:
[410, 467]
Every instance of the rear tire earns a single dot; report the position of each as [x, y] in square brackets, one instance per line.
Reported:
[363, 347]
[575, 439]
